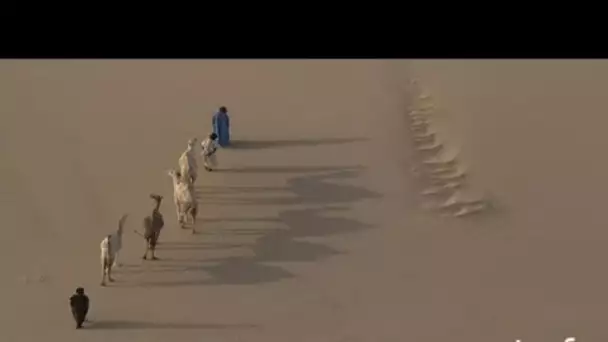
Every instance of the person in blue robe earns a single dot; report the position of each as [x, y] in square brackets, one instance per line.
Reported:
[221, 126]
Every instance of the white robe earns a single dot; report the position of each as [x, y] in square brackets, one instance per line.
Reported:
[209, 148]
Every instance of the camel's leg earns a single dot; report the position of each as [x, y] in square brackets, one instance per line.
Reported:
[145, 256]
[178, 212]
[103, 272]
[194, 213]
[152, 245]
[176, 207]
[110, 279]
[116, 263]
[183, 214]
[193, 225]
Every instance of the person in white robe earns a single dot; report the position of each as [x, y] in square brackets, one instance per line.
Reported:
[209, 147]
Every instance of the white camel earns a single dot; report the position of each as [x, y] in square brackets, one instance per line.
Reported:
[187, 161]
[184, 199]
[110, 248]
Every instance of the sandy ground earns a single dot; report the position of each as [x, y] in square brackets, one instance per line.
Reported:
[313, 230]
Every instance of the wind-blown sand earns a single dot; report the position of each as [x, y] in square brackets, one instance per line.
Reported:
[315, 228]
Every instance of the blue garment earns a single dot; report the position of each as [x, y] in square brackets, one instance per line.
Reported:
[221, 127]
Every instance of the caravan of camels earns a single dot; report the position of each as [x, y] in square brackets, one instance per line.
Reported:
[185, 201]
[446, 190]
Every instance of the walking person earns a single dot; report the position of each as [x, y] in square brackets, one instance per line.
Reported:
[79, 305]
[209, 147]
[221, 126]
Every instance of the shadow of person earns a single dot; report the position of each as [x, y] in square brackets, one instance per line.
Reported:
[137, 325]
[266, 144]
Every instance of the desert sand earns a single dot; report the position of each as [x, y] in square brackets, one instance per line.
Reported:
[315, 228]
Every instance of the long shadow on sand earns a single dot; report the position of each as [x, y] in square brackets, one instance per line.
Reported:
[266, 144]
[325, 215]
[280, 169]
[282, 246]
[198, 246]
[137, 325]
[215, 190]
[310, 190]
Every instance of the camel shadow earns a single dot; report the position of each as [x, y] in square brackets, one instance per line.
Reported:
[281, 245]
[227, 271]
[328, 217]
[139, 325]
[311, 190]
[271, 144]
[198, 246]
[282, 169]
[212, 190]
[243, 271]
[239, 219]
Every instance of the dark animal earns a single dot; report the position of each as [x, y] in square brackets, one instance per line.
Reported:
[153, 224]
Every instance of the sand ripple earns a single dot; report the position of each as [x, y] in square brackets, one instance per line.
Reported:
[444, 179]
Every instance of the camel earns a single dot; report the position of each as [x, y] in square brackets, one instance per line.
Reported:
[110, 247]
[184, 199]
[187, 161]
[153, 224]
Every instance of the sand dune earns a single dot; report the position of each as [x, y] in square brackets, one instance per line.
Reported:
[316, 228]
